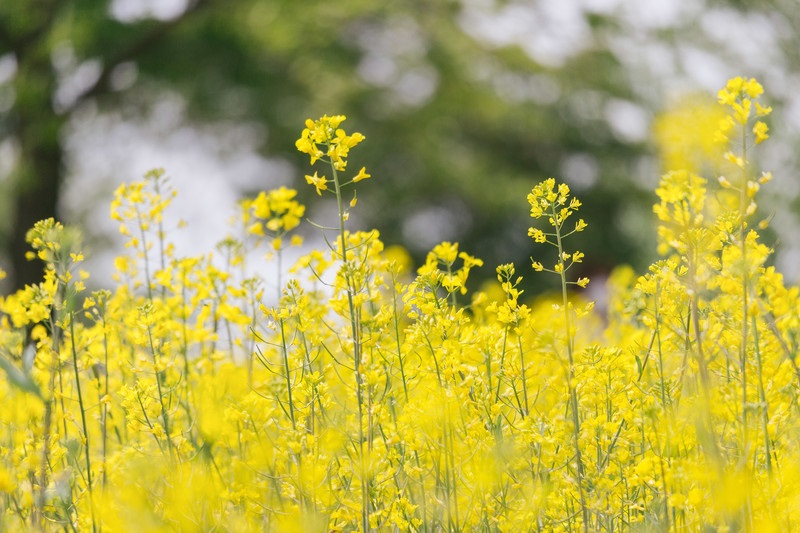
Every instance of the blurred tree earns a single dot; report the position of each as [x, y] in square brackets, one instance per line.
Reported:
[39, 99]
[465, 104]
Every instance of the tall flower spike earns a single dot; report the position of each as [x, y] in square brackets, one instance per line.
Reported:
[336, 142]
[740, 96]
[551, 201]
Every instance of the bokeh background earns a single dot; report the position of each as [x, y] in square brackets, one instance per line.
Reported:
[466, 104]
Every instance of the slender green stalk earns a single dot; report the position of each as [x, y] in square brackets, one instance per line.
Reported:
[743, 204]
[160, 234]
[762, 397]
[37, 516]
[573, 393]
[251, 348]
[404, 378]
[86, 444]
[500, 368]
[664, 405]
[657, 316]
[398, 342]
[159, 385]
[285, 353]
[525, 411]
[355, 330]
[694, 305]
[145, 258]
[104, 402]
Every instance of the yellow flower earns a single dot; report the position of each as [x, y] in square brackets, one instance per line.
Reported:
[723, 129]
[317, 181]
[362, 175]
[726, 97]
[537, 235]
[753, 88]
[446, 252]
[326, 131]
[452, 283]
[760, 130]
[735, 159]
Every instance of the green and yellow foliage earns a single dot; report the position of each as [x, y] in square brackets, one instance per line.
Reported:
[357, 395]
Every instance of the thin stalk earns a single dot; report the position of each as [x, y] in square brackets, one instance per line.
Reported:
[159, 378]
[743, 204]
[663, 387]
[161, 250]
[500, 367]
[573, 394]
[398, 342]
[450, 475]
[657, 313]
[184, 329]
[83, 418]
[143, 235]
[695, 320]
[251, 339]
[285, 352]
[355, 329]
[664, 487]
[524, 379]
[396, 320]
[37, 516]
[763, 400]
[57, 337]
[104, 412]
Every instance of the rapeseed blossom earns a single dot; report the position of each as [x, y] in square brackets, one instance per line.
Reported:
[326, 132]
[354, 393]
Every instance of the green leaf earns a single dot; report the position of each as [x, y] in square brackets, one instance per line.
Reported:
[19, 378]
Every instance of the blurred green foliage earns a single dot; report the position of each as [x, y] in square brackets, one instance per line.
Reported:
[459, 128]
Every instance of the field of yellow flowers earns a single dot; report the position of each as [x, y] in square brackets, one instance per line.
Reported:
[371, 398]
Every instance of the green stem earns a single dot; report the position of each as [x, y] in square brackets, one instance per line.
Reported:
[763, 400]
[524, 379]
[743, 204]
[285, 351]
[357, 355]
[159, 379]
[143, 234]
[83, 416]
[398, 342]
[104, 415]
[573, 393]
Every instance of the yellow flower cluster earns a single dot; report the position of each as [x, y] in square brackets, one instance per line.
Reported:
[740, 96]
[326, 131]
[438, 268]
[551, 202]
[274, 213]
[369, 398]
[687, 134]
